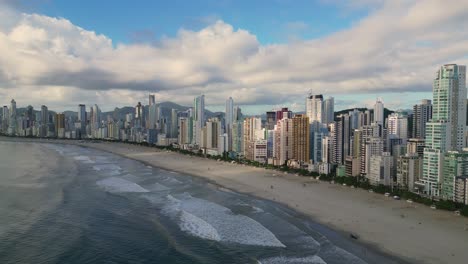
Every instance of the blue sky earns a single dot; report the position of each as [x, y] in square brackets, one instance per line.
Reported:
[272, 21]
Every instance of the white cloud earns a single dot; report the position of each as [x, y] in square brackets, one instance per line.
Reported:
[397, 48]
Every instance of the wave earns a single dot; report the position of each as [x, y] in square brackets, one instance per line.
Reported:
[229, 226]
[198, 227]
[293, 260]
[156, 187]
[118, 185]
[110, 169]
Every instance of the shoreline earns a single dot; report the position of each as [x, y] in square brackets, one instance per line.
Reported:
[396, 228]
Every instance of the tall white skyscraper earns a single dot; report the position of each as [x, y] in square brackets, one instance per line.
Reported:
[95, 119]
[229, 112]
[198, 118]
[328, 110]
[379, 111]
[152, 100]
[446, 129]
[153, 117]
[44, 121]
[174, 123]
[12, 120]
[398, 126]
[229, 119]
[314, 108]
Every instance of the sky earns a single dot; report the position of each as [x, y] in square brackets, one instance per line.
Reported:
[264, 54]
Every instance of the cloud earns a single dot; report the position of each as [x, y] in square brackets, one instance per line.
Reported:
[396, 48]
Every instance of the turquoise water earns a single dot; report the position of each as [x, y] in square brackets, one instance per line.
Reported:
[68, 204]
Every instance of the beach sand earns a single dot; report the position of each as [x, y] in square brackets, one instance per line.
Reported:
[410, 231]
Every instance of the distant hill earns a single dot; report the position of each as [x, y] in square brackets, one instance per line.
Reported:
[387, 111]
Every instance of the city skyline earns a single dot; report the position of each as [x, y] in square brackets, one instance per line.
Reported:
[57, 55]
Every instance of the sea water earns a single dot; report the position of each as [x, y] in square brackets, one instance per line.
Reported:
[69, 204]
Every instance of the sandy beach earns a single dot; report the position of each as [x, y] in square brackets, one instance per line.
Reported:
[409, 231]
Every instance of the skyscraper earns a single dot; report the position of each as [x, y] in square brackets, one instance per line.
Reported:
[329, 110]
[95, 120]
[152, 100]
[229, 117]
[44, 128]
[314, 108]
[60, 125]
[198, 118]
[379, 111]
[445, 131]
[398, 126]
[270, 120]
[12, 120]
[422, 113]
[174, 125]
[82, 118]
[5, 119]
[301, 138]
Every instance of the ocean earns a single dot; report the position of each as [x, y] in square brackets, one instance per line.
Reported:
[69, 204]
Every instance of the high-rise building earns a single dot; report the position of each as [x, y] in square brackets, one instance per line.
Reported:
[380, 169]
[82, 118]
[95, 120]
[151, 100]
[379, 111]
[139, 115]
[408, 171]
[422, 113]
[461, 190]
[300, 138]
[44, 127]
[398, 126]
[213, 131]
[153, 117]
[282, 113]
[198, 118]
[60, 125]
[329, 110]
[270, 120]
[314, 108]
[12, 120]
[455, 164]
[252, 132]
[184, 126]
[237, 137]
[446, 130]
[229, 117]
[374, 147]
[283, 141]
[416, 146]
[237, 116]
[174, 116]
[5, 119]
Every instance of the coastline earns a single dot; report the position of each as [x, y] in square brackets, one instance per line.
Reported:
[412, 232]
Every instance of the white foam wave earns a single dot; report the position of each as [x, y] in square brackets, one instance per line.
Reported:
[293, 260]
[198, 227]
[156, 187]
[171, 181]
[84, 159]
[229, 226]
[118, 185]
[131, 177]
[110, 169]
